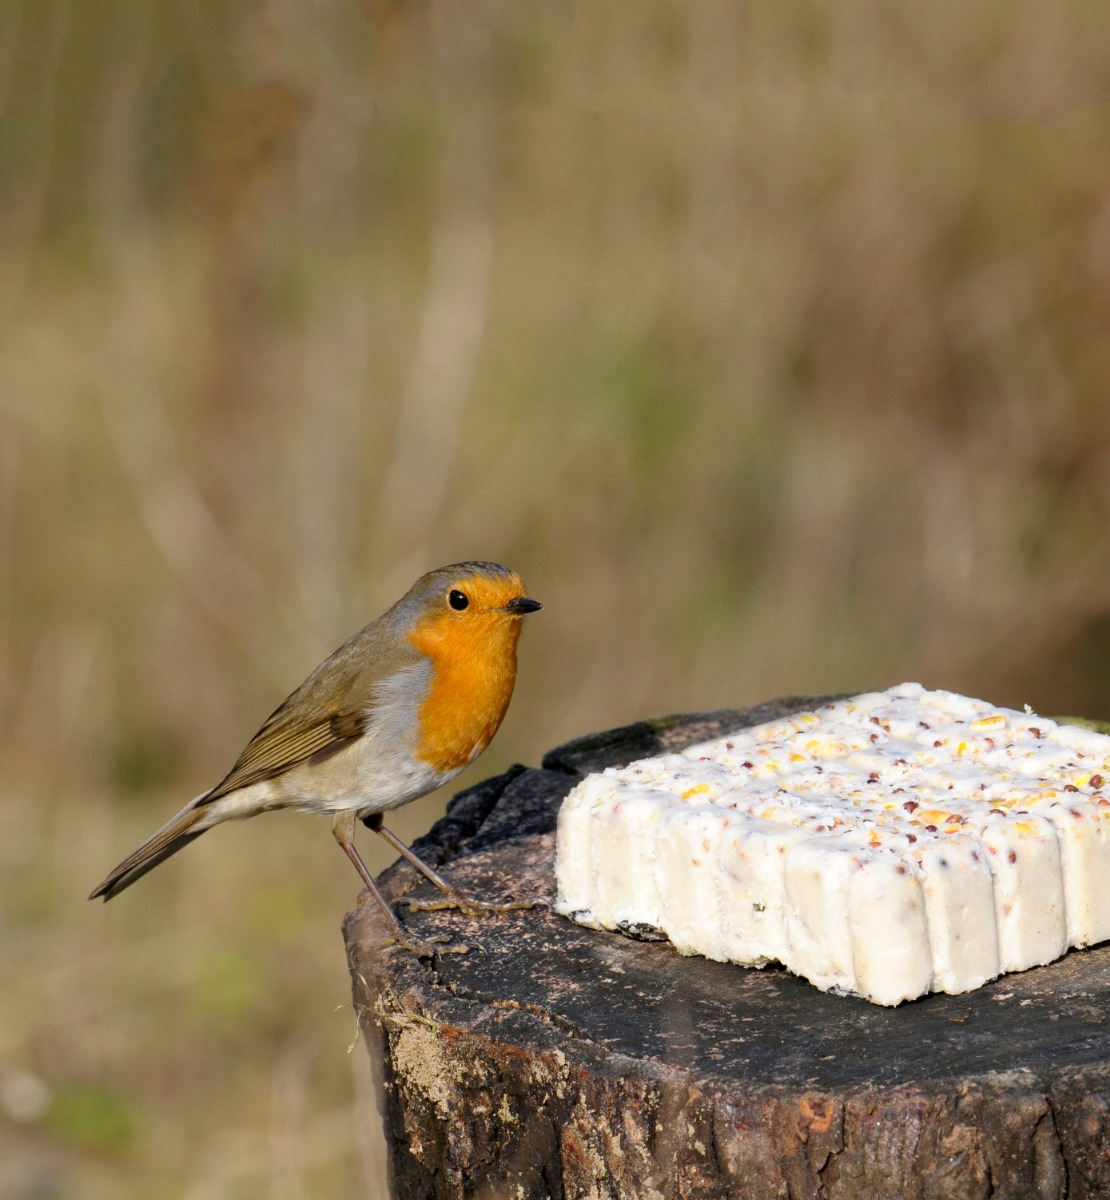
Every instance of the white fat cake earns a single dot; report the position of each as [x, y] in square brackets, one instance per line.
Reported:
[887, 845]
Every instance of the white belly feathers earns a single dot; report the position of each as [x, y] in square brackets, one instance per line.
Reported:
[377, 772]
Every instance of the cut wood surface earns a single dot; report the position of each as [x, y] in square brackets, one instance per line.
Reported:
[556, 1061]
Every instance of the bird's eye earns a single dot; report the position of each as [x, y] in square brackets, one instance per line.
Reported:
[458, 600]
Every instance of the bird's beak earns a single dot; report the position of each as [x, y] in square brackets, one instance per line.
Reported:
[520, 605]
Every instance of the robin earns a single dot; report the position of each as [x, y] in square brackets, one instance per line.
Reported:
[399, 709]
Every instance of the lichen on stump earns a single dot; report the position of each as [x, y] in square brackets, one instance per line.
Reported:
[555, 1061]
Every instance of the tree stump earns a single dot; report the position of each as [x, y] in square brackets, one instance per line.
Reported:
[556, 1061]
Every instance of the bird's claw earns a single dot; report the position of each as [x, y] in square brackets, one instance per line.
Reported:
[467, 905]
[454, 948]
[430, 948]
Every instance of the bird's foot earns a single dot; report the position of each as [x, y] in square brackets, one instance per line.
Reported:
[469, 906]
[427, 949]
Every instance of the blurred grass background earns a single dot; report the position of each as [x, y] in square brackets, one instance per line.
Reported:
[771, 343]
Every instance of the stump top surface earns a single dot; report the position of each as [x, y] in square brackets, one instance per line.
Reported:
[535, 979]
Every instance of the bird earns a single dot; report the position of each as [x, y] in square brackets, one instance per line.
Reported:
[399, 709]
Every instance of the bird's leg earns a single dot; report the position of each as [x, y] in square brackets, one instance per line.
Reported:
[470, 905]
[343, 830]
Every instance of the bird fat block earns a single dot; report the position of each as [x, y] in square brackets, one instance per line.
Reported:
[886, 846]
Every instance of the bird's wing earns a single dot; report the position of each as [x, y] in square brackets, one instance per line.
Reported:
[283, 743]
[328, 712]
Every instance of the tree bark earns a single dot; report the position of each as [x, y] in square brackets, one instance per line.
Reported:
[553, 1061]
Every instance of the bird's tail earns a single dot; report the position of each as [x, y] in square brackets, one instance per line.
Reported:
[177, 833]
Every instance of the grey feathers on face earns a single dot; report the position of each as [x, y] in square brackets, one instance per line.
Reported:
[443, 576]
[443, 579]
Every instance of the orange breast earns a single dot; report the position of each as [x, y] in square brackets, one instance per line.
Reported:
[473, 672]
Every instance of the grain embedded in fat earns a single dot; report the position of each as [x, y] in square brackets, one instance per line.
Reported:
[886, 845]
